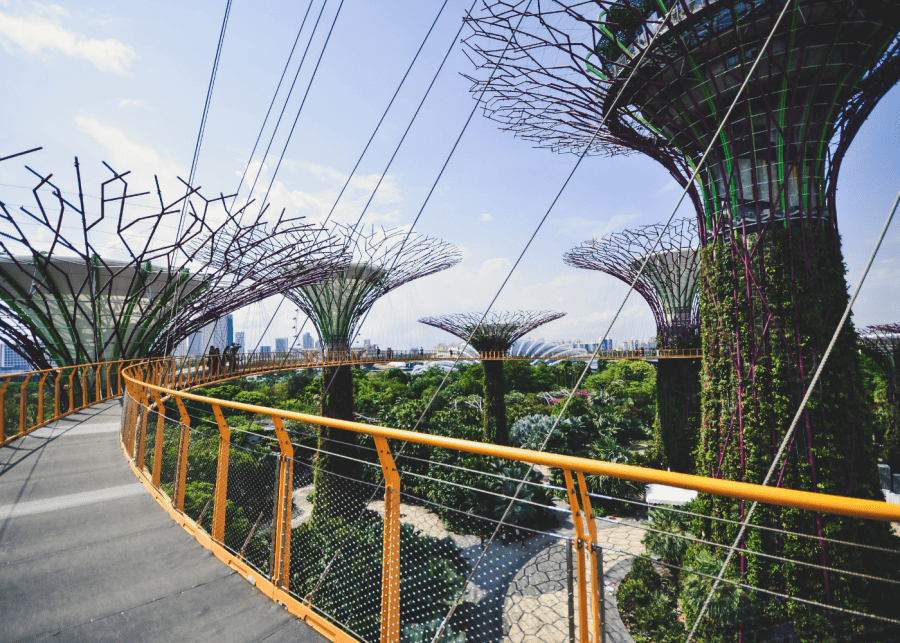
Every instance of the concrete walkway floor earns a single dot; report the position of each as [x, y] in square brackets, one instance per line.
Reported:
[87, 555]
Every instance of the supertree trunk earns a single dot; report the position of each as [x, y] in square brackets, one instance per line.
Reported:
[768, 310]
[336, 462]
[675, 430]
[495, 429]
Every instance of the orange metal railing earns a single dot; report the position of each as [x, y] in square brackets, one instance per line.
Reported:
[73, 388]
[151, 384]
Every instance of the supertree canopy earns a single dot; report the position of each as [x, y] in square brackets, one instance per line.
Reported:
[78, 298]
[881, 343]
[669, 284]
[657, 77]
[669, 281]
[493, 337]
[379, 261]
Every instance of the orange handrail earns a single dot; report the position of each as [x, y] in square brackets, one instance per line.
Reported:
[825, 503]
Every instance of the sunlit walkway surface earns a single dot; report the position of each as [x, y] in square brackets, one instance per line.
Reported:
[87, 555]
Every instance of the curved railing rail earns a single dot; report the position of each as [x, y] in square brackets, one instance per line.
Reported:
[65, 390]
[75, 387]
[193, 483]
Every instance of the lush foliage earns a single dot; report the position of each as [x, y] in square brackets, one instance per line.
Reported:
[647, 604]
[432, 573]
[757, 361]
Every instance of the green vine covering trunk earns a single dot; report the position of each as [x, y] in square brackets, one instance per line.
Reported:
[677, 422]
[496, 430]
[769, 309]
[337, 492]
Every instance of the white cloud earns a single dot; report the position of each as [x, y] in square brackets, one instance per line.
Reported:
[37, 35]
[133, 102]
[319, 194]
[486, 217]
[144, 161]
[583, 228]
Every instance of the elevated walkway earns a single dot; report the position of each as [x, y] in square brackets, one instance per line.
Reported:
[86, 554]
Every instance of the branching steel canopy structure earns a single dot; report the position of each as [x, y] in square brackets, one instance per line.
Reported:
[380, 261]
[492, 335]
[65, 299]
[669, 281]
[498, 332]
[796, 79]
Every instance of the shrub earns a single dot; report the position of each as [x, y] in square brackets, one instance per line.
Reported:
[647, 603]
[432, 573]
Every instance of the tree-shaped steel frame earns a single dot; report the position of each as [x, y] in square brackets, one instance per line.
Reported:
[63, 298]
[499, 330]
[379, 261]
[881, 343]
[657, 77]
[669, 281]
[779, 153]
[492, 337]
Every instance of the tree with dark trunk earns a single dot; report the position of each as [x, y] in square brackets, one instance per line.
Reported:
[381, 260]
[492, 336]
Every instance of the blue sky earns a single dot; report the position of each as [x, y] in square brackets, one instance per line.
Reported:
[125, 83]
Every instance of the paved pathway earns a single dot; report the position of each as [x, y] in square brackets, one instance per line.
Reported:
[87, 555]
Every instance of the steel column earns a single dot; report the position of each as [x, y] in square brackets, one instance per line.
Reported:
[390, 568]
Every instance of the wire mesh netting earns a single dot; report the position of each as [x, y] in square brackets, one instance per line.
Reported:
[248, 531]
[477, 549]
[202, 465]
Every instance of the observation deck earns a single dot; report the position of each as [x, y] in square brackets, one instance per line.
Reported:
[88, 554]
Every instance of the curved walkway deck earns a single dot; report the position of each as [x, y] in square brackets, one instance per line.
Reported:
[87, 555]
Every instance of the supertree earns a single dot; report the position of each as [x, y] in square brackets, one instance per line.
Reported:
[379, 261]
[657, 77]
[77, 298]
[668, 284]
[882, 344]
[492, 338]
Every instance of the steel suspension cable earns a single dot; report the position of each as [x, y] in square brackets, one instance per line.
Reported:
[287, 99]
[631, 286]
[378, 126]
[305, 95]
[196, 156]
[802, 407]
[272, 104]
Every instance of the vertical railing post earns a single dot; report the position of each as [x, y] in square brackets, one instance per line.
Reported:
[596, 574]
[579, 553]
[84, 387]
[40, 418]
[3, 409]
[98, 383]
[183, 443]
[142, 439]
[23, 402]
[108, 387]
[570, 578]
[72, 390]
[160, 432]
[390, 568]
[127, 435]
[281, 572]
[56, 394]
[218, 524]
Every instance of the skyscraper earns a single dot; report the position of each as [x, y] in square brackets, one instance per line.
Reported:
[281, 344]
[239, 338]
[308, 341]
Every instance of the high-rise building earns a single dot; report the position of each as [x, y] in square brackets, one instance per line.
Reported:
[11, 361]
[213, 334]
[229, 330]
[308, 341]
[265, 349]
[239, 338]
[281, 344]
